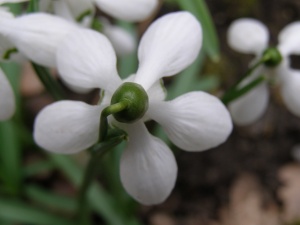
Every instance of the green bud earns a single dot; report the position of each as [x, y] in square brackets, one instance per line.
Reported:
[272, 57]
[136, 100]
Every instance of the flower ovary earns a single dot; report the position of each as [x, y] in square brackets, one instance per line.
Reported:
[136, 99]
[272, 57]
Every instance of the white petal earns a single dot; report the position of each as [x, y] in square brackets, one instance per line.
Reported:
[148, 168]
[86, 59]
[251, 106]
[129, 10]
[169, 45]
[122, 41]
[67, 126]
[289, 39]
[7, 98]
[248, 36]
[194, 121]
[290, 91]
[62, 10]
[36, 35]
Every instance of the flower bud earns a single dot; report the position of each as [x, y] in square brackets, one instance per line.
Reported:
[273, 57]
[136, 99]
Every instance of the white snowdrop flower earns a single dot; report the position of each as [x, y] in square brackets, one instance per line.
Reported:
[128, 10]
[7, 99]
[123, 42]
[70, 10]
[194, 121]
[251, 36]
[7, 49]
[36, 35]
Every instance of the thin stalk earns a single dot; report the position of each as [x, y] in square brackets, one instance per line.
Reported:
[231, 96]
[97, 152]
[84, 14]
[231, 92]
[109, 110]
[33, 6]
[49, 82]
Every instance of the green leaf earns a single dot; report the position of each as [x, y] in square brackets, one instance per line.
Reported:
[38, 167]
[50, 200]
[52, 85]
[17, 211]
[10, 144]
[10, 157]
[210, 38]
[100, 200]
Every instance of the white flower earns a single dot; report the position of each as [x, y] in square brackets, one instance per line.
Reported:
[70, 10]
[122, 41]
[251, 36]
[194, 121]
[7, 99]
[36, 35]
[128, 10]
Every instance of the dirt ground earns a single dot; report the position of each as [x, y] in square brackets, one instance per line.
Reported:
[253, 178]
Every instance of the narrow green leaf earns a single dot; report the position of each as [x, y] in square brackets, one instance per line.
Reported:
[50, 200]
[10, 157]
[10, 143]
[99, 199]
[52, 86]
[38, 167]
[210, 38]
[20, 212]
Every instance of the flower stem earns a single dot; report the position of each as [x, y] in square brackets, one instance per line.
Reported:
[33, 6]
[109, 110]
[49, 82]
[97, 152]
[236, 92]
[231, 96]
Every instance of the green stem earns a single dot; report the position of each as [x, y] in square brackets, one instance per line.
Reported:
[33, 6]
[97, 152]
[49, 82]
[84, 14]
[252, 68]
[231, 96]
[97, 25]
[109, 110]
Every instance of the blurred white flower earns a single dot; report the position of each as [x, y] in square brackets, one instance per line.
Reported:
[36, 35]
[128, 10]
[251, 36]
[123, 41]
[70, 10]
[194, 121]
